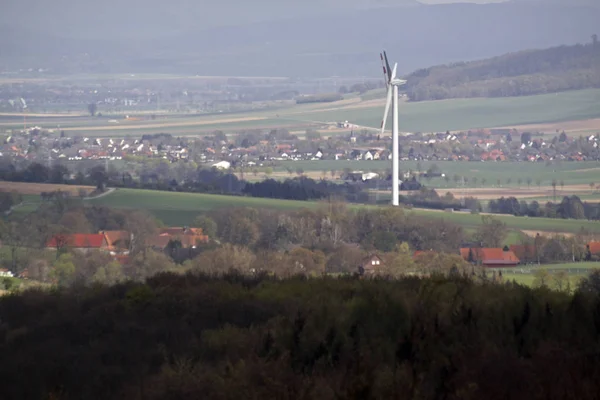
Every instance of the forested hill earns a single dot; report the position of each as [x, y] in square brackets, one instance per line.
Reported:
[515, 74]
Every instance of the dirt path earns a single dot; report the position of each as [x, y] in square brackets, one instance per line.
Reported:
[105, 193]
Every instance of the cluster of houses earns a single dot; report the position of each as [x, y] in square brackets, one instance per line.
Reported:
[118, 243]
[507, 257]
[481, 145]
[32, 146]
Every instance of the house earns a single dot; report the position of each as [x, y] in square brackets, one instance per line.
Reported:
[187, 237]
[4, 273]
[490, 257]
[370, 265]
[78, 241]
[222, 165]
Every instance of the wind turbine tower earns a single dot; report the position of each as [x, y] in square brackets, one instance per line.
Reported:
[392, 84]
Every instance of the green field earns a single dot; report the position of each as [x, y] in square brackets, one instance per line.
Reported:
[180, 208]
[428, 116]
[571, 173]
[525, 275]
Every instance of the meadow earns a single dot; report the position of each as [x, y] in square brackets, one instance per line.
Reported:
[175, 208]
[455, 114]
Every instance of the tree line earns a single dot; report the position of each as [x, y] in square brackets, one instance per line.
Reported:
[200, 180]
[517, 74]
[571, 207]
[206, 336]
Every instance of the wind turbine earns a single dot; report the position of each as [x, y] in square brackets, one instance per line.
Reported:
[392, 84]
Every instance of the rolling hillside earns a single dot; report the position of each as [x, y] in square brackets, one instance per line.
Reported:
[515, 74]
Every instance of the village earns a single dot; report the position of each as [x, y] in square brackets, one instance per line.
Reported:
[252, 148]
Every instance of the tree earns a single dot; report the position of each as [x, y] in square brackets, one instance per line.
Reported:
[141, 226]
[333, 172]
[562, 185]
[64, 270]
[561, 281]
[491, 232]
[208, 225]
[305, 261]
[554, 188]
[110, 274]
[92, 108]
[508, 181]
[58, 173]
[519, 181]
[98, 175]
[542, 278]
[591, 283]
[344, 259]
[595, 40]
[224, 259]
[528, 182]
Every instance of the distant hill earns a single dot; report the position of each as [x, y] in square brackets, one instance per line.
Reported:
[272, 37]
[515, 74]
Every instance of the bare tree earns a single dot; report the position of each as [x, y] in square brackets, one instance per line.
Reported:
[554, 189]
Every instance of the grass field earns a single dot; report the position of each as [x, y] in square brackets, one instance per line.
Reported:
[525, 275]
[428, 116]
[180, 208]
[570, 173]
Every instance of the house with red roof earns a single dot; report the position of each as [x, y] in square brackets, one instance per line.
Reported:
[78, 241]
[490, 257]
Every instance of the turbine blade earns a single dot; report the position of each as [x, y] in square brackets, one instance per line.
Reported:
[388, 103]
[387, 66]
[385, 75]
[394, 71]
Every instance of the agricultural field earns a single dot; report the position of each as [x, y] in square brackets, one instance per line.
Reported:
[27, 188]
[456, 114]
[575, 175]
[179, 208]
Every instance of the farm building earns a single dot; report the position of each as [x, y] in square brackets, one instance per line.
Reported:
[490, 257]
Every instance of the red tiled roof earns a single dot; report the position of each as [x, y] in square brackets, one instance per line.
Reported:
[594, 247]
[78, 240]
[490, 256]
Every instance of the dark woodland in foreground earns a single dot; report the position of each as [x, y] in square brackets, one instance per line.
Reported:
[194, 336]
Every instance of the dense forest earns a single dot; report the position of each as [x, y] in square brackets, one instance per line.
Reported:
[516, 74]
[198, 336]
